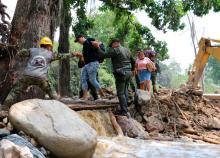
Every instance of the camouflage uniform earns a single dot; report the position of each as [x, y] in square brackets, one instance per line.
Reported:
[154, 77]
[123, 64]
[36, 71]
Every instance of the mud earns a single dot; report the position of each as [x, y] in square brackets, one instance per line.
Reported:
[100, 121]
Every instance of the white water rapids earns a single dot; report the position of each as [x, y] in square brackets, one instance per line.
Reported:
[123, 147]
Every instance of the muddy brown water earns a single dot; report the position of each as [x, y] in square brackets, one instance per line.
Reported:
[98, 120]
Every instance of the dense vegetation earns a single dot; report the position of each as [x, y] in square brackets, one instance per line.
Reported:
[116, 19]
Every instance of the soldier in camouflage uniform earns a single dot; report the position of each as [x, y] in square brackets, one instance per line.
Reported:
[36, 71]
[123, 65]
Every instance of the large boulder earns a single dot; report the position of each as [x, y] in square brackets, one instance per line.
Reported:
[54, 126]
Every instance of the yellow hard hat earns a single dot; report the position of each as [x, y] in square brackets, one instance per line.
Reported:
[46, 41]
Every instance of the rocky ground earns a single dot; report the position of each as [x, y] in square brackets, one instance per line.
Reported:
[172, 115]
[179, 114]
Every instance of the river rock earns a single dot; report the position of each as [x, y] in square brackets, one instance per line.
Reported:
[55, 126]
[131, 127]
[141, 97]
[213, 123]
[9, 150]
[153, 124]
[23, 144]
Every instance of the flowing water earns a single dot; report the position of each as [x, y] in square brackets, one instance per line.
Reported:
[124, 147]
[100, 121]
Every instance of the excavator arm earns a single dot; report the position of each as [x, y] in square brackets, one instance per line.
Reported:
[205, 50]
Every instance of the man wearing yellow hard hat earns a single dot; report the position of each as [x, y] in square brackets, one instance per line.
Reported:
[36, 70]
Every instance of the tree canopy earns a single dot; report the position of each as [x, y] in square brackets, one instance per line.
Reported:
[165, 15]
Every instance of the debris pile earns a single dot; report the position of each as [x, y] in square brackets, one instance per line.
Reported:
[180, 113]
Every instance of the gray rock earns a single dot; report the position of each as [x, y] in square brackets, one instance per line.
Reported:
[153, 124]
[131, 127]
[213, 123]
[55, 126]
[141, 97]
[10, 150]
[16, 139]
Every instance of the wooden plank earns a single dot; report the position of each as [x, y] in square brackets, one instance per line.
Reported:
[88, 102]
[212, 96]
[77, 107]
[115, 123]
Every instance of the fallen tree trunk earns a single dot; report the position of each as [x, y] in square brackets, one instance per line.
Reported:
[77, 107]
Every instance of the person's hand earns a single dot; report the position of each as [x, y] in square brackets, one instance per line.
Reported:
[77, 54]
[134, 73]
[96, 43]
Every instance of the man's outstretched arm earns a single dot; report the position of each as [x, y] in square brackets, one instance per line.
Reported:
[59, 56]
[24, 53]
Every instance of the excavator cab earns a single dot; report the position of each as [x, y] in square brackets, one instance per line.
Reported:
[206, 49]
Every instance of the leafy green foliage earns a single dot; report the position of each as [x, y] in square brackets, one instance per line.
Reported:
[165, 14]
[132, 34]
[201, 7]
[171, 75]
[83, 23]
[213, 70]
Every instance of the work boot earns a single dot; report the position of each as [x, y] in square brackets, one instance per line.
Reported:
[122, 113]
[85, 95]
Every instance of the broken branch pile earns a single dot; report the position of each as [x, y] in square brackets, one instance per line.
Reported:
[180, 113]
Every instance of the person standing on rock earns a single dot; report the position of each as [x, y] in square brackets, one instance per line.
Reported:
[123, 66]
[152, 55]
[144, 75]
[90, 70]
[36, 71]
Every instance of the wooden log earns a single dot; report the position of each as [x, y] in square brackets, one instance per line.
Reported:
[77, 107]
[182, 113]
[203, 138]
[115, 123]
[212, 96]
[88, 102]
[159, 138]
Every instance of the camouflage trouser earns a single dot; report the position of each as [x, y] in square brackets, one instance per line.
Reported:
[154, 81]
[25, 81]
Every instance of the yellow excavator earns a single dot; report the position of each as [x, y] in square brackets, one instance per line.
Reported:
[206, 49]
